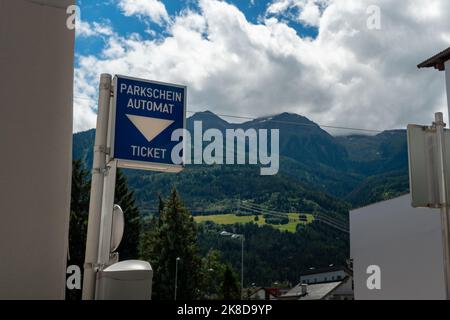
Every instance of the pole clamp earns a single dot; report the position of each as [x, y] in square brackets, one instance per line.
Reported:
[103, 171]
[102, 149]
[440, 123]
[94, 266]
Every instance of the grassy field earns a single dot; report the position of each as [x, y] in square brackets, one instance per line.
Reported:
[225, 219]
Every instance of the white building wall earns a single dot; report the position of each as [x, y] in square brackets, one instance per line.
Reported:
[36, 88]
[323, 277]
[405, 243]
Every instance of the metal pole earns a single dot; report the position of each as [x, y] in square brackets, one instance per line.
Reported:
[242, 266]
[239, 205]
[109, 187]
[95, 205]
[176, 276]
[445, 219]
[447, 81]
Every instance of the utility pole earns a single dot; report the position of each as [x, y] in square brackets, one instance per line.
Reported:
[447, 81]
[239, 204]
[242, 265]
[98, 172]
[441, 62]
[443, 195]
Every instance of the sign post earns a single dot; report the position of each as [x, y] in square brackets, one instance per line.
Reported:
[429, 162]
[134, 131]
[447, 80]
[95, 204]
[442, 169]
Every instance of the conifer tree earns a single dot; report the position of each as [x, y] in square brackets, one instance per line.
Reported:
[230, 289]
[129, 247]
[212, 275]
[79, 208]
[174, 237]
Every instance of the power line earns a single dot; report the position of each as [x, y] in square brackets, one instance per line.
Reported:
[274, 121]
[335, 223]
[294, 123]
[332, 219]
[332, 225]
[266, 213]
[327, 221]
[319, 217]
[260, 207]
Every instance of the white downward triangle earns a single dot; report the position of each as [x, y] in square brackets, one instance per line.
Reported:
[149, 127]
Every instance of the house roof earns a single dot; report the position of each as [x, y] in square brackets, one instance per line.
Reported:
[314, 291]
[275, 292]
[437, 61]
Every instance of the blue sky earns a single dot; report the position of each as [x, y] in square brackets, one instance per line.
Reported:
[108, 11]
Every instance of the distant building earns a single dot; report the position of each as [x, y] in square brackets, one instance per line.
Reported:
[335, 290]
[329, 274]
[331, 283]
[266, 294]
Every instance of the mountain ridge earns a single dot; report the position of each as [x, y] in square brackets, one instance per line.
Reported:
[310, 158]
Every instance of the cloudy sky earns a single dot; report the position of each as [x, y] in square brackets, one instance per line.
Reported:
[336, 62]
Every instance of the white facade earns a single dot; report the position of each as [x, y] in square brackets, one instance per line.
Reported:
[405, 243]
[323, 277]
[36, 88]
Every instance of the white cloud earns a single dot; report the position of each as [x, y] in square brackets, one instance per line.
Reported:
[86, 29]
[154, 9]
[348, 76]
[85, 95]
[309, 11]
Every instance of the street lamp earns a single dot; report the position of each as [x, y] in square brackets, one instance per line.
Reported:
[237, 236]
[176, 276]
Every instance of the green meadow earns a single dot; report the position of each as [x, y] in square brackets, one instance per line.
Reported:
[227, 219]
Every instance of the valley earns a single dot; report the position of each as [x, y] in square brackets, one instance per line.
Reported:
[319, 174]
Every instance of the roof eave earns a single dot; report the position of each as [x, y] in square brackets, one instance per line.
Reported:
[437, 61]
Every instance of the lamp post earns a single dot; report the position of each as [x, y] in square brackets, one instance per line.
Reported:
[210, 286]
[237, 236]
[176, 276]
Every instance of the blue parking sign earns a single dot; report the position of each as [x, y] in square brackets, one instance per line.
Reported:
[146, 113]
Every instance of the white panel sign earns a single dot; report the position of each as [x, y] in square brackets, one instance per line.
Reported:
[423, 165]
